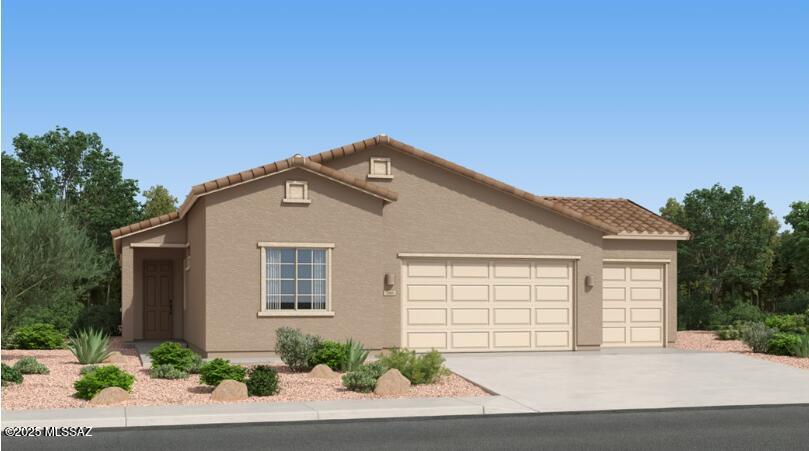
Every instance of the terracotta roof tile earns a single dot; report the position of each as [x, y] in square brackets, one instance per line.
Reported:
[629, 217]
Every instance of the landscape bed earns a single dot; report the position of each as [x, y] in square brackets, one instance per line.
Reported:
[699, 340]
[55, 390]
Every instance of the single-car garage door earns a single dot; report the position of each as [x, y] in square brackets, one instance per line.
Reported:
[471, 305]
[633, 305]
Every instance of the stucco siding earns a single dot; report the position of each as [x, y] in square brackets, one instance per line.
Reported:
[652, 249]
[195, 282]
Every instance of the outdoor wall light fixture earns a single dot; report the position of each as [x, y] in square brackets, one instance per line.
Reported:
[588, 282]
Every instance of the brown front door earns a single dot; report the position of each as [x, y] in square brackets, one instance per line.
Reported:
[158, 296]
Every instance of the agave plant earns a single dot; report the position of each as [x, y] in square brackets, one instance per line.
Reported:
[355, 355]
[90, 346]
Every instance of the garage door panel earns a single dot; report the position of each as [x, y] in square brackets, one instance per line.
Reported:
[512, 293]
[552, 293]
[470, 292]
[633, 305]
[427, 292]
[486, 305]
[552, 316]
[427, 340]
[512, 316]
[427, 317]
[470, 316]
[470, 340]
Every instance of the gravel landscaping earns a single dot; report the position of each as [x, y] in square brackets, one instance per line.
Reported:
[700, 340]
[55, 390]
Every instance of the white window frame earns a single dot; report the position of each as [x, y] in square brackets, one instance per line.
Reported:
[263, 310]
[291, 183]
[388, 168]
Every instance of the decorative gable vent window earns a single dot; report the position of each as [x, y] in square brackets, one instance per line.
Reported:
[295, 279]
[380, 168]
[297, 192]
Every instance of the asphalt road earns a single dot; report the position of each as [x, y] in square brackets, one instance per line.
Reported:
[772, 427]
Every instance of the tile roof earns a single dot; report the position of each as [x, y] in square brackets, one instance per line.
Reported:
[612, 216]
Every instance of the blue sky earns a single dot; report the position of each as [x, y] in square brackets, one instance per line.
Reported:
[644, 100]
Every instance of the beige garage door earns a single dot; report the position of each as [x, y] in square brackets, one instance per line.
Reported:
[633, 305]
[471, 305]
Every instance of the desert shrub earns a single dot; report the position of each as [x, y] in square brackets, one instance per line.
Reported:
[167, 371]
[38, 336]
[364, 378]
[783, 343]
[100, 378]
[329, 353]
[217, 370]
[355, 355]
[744, 312]
[61, 311]
[756, 335]
[30, 365]
[90, 346]
[11, 375]
[419, 369]
[295, 348]
[801, 349]
[795, 323]
[174, 354]
[728, 334]
[196, 364]
[88, 369]
[262, 381]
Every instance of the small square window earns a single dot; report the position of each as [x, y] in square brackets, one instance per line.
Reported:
[380, 168]
[297, 192]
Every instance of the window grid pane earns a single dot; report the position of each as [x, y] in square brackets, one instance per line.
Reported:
[296, 279]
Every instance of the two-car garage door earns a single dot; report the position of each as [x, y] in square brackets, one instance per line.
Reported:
[472, 305]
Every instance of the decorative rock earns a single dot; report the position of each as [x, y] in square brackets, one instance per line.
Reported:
[110, 395]
[392, 383]
[322, 371]
[229, 390]
[115, 357]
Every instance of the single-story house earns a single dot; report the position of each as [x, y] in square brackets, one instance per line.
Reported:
[395, 247]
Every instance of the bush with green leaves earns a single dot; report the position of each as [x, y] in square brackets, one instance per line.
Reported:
[295, 348]
[217, 370]
[167, 371]
[100, 378]
[355, 355]
[796, 302]
[90, 346]
[196, 364]
[794, 323]
[801, 349]
[419, 369]
[262, 380]
[783, 343]
[363, 379]
[38, 336]
[30, 365]
[88, 368]
[11, 375]
[330, 353]
[756, 336]
[174, 354]
[104, 317]
[728, 334]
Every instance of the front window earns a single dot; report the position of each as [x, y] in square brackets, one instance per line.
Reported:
[296, 278]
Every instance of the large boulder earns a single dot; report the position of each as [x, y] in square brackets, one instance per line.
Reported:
[322, 371]
[229, 390]
[115, 357]
[392, 383]
[110, 395]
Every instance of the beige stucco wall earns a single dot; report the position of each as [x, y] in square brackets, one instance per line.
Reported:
[195, 277]
[652, 249]
[132, 277]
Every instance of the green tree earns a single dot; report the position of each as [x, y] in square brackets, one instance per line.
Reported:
[158, 202]
[731, 251]
[15, 181]
[78, 171]
[791, 269]
[48, 263]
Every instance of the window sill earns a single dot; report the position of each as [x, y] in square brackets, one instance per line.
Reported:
[380, 176]
[296, 313]
[297, 201]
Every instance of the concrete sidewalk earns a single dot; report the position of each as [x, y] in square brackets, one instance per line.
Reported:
[134, 416]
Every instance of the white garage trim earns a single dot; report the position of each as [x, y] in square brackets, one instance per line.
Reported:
[508, 256]
[627, 264]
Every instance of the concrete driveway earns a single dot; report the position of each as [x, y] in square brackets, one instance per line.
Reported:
[632, 379]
